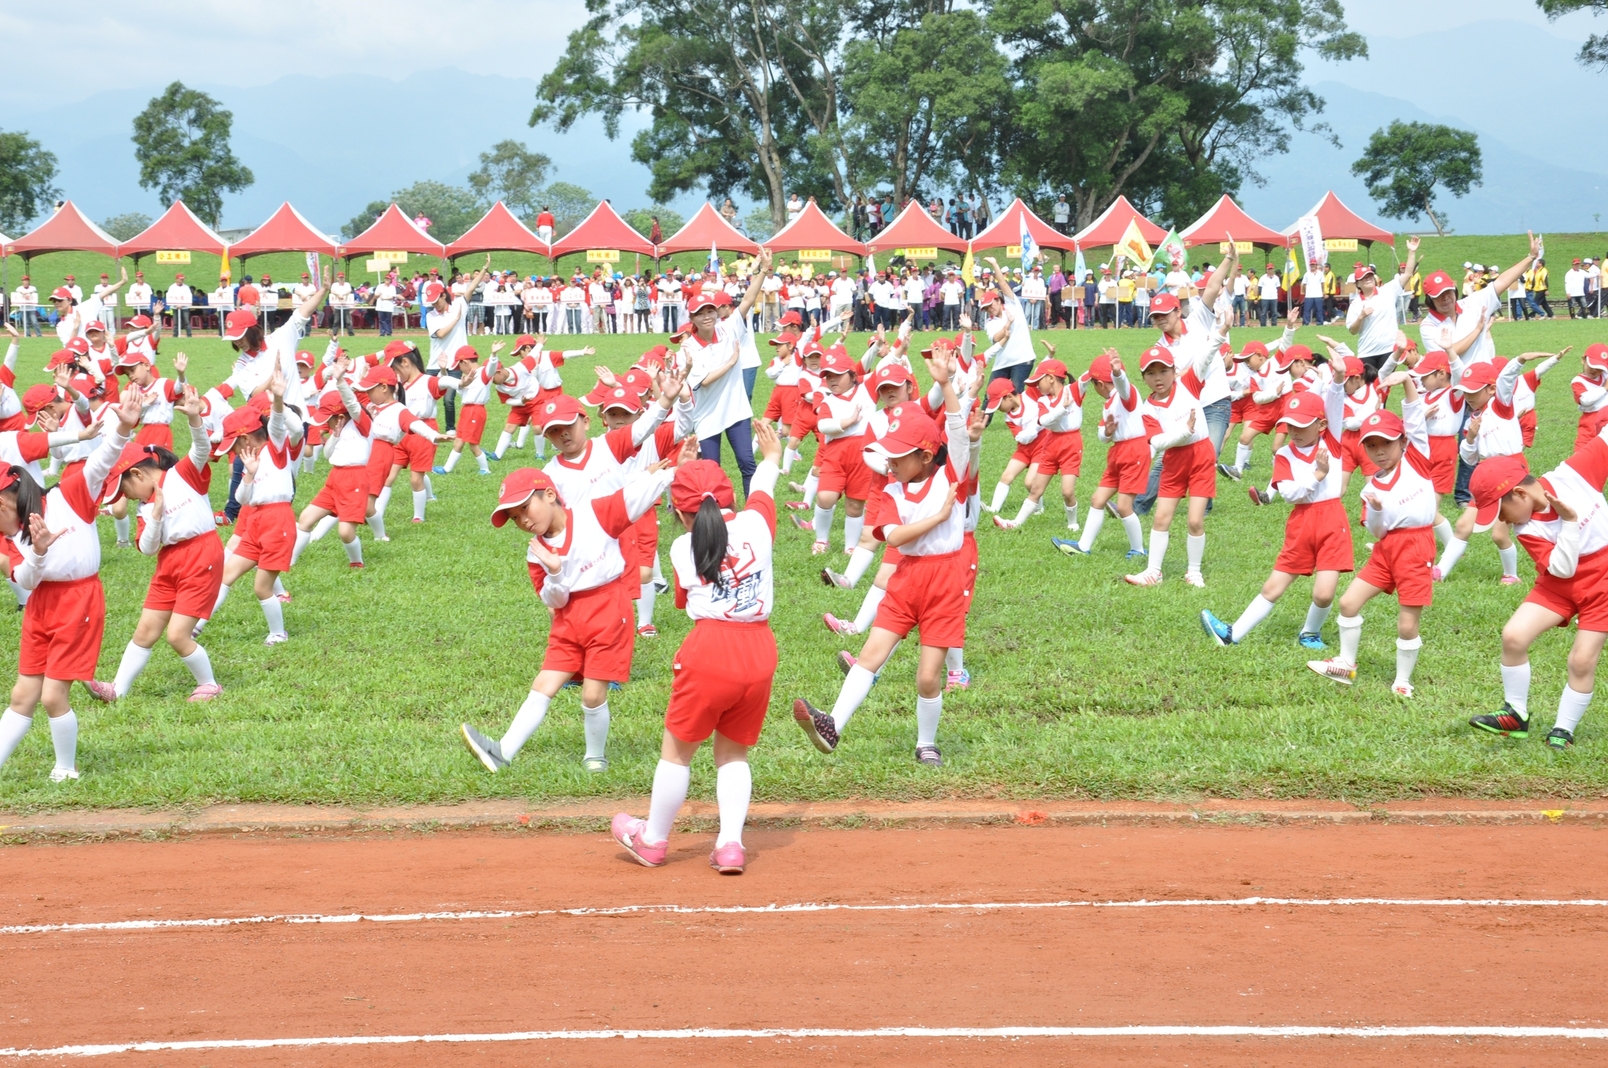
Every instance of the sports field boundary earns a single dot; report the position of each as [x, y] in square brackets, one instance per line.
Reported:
[591, 816]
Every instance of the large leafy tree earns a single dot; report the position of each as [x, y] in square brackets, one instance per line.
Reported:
[451, 210]
[1594, 53]
[181, 141]
[1406, 161]
[513, 174]
[129, 224]
[569, 204]
[27, 181]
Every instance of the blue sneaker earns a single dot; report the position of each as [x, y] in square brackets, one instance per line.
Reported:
[1309, 640]
[1132, 553]
[493, 457]
[1220, 632]
[438, 470]
[481, 473]
[1069, 546]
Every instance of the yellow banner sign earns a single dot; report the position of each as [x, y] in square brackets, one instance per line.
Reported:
[1241, 247]
[1340, 244]
[815, 255]
[172, 257]
[392, 257]
[602, 255]
[1013, 251]
[925, 253]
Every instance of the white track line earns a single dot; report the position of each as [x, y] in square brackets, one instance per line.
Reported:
[1229, 1031]
[809, 907]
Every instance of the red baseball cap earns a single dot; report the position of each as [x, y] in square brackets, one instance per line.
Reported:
[1162, 303]
[722, 299]
[37, 398]
[1156, 354]
[908, 432]
[524, 341]
[1253, 348]
[518, 488]
[1362, 271]
[1353, 367]
[1476, 378]
[1287, 358]
[697, 480]
[95, 324]
[328, 408]
[1494, 479]
[378, 376]
[237, 424]
[305, 359]
[464, 354]
[139, 322]
[433, 291]
[562, 410]
[134, 359]
[61, 293]
[1597, 356]
[835, 360]
[1382, 424]
[1048, 367]
[1303, 409]
[606, 397]
[701, 300]
[236, 323]
[1099, 369]
[1432, 362]
[998, 390]
[78, 347]
[791, 318]
[133, 453]
[393, 349]
[889, 374]
[986, 297]
[1438, 283]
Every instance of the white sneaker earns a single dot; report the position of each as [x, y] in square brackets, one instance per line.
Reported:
[1335, 670]
[1194, 579]
[1402, 689]
[1004, 524]
[1147, 577]
[1073, 526]
[276, 639]
[63, 774]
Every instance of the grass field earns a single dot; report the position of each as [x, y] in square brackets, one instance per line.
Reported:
[1083, 686]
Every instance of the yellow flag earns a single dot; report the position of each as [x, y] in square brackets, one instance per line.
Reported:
[968, 268]
[1133, 245]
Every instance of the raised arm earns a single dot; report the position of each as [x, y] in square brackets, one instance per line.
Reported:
[1214, 285]
[755, 283]
[1505, 280]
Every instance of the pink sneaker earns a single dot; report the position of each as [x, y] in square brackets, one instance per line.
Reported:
[797, 506]
[803, 524]
[819, 548]
[416, 519]
[1510, 580]
[101, 691]
[284, 598]
[1435, 575]
[205, 692]
[628, 830]
[728, 859]
[838, 626]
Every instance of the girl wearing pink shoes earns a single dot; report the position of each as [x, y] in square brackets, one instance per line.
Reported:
[724, 669]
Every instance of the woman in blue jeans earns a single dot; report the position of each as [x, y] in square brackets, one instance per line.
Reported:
[720, 404]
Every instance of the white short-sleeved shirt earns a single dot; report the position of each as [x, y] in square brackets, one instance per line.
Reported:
[385, 297]
[1439, 333]
[723, 402]
[1378, 315]
[457, 337]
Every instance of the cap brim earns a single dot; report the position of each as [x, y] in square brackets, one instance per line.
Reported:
[1486, 515]
[1382, 435]
[550, 424]
[499, 514]
[881, 448]
[1464, 388]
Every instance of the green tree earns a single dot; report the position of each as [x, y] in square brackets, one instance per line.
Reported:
[1594, 53]
[27, 181]
[641, 219]
[513, 174]
[127, 225]
[1406, 161]
[364, 219]
[181, 141]
[451, 210]
[758, 224]
[569, 204]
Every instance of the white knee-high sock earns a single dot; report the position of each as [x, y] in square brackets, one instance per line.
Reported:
[1572, 708]
[1001, 491]
[1452, 554]
[734, 786]
[1071, 515]
[429, 490]
[354, 551]
[1195, 547]
[274, 613]
[868, 609]
[376, 522]
[789, 458]
[452, 460]
[121, 526]
[503, 441]
[524, 436]
[955, 659]
[670, 782]
[1135, 532]
[1158, 547]
[658, 572]
[541, 447]
[419, 499]
[1029, 506]
[13, 729]
[928, 710]
[526, 720]
[823, 524]
[480, 462]
[1317, 616]
[279, 586]
[812, 482]
[1516, 687]
[381, 503]
[852, 527]
[1510, 561]
[855, 688]
[64, 738]
[1350, 639]
[1443, 529]
[200, 666]
[647, 593]
[1091, 528]
[859, 562]
[322, 527]
[21, 594]
[133, 662]
[304, 538]
[1407, 659]
[1242, 456]
[1259, 609]
[595, 722]
[217, 606]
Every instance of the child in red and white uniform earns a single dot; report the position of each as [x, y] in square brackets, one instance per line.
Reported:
[12, 416]
[810, 392]
[265, 532]
[1263, 400]
[783, 370]
[156, 420]
[1189, 464]
[474, 390]
[65, 618]
[1299, 370]
[1590, 388]
[1443, 419]
[724, 573]
[1060, 442]
[1021, 411]
[1317, 534]
[1362, 399]
[391, 422]
[923, 515]
[21, 450]
[312, 439]
[1400, 508]
[1127, 469]
[419, 393]
[540, 381]
[175, 526]
[1561, 519]
[344, 496]
[587, 467]
[577, 567]
[840, 419]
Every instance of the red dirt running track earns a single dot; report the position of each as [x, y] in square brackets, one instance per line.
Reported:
[1194, 964]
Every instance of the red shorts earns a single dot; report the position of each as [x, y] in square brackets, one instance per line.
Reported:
[723, 674]
[592, 635]
[472, 424]
[313, 435]
[1443, 462]
[1127, 468]
[1585, 595]
[783, 404]
[1353, 455]
[521, 415]
[417, 453]
[345, 494]
[843, 469]
[12, 553]
[1266, 416]
[1028, 454]
[803, 423]
[267, 536]
[1242, 410]
[1527, 428]
[1189, 471]
[644, 533]
[1400, 563]
[1317, 537]
[62, 627]
[1591, 424]
[188, 576]
[155, 434]
[929, 594]
[1062, 453]
[382, 454]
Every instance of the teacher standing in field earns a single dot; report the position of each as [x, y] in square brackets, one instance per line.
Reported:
[710, 356]
[1375, 316]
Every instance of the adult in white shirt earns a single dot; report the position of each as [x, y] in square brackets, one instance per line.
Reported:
[1312, 294]
[841, 288]
[1034, 296]
[573, 298]
[341, 302]
[600, 299]
[1574, 287]
[711, 358]
[301, 292]
[385, 303]
[179, 299]
[1178, 282]
[669, 287]
[139, 294]
[1462, 329]
[1242, 285]
[1374, 312]
[953, 291]
[26, 298]
[447, 324]
[794, 207]
[1010, 339]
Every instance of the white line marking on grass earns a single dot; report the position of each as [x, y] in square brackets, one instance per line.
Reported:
[1227, 1031]
[808, 907]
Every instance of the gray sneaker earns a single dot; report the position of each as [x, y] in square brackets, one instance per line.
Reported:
[929, 756]
[595, 765]
[485, 750]
[836, 578]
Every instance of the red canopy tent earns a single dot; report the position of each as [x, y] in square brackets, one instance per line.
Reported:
[498, 231]
[1113, 223]
[286, 230]
[177, 229]
[1337, 220]
[1006, 230]
[603, 229]
[813, 230]
[1227, 218]
[704, 229]
[915, 228]
[393, 231]
[66, 231]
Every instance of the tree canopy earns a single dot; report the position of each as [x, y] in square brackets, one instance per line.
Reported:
[27, 181]
[451, 210]
[513, 174]
[181, 141]
[1405, 162]
[1594, 53]
[127, 225]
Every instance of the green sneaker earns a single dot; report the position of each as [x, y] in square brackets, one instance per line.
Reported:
[1507, 723]
[1559, 739]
